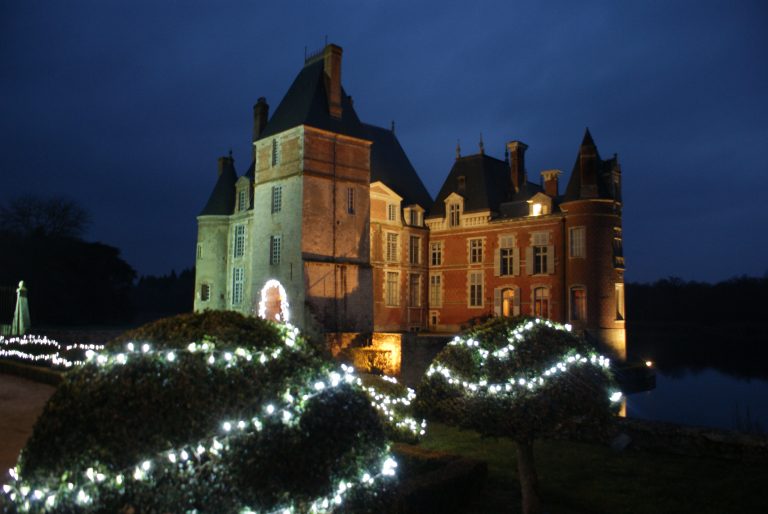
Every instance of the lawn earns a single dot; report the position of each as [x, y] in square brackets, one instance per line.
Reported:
[585, 478]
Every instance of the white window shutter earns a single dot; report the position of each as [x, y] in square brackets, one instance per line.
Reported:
[529, 260]
[550, 259]
[497, 301]
[516, 263]
[496, 263]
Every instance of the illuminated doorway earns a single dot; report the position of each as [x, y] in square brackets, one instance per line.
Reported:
[273, 305]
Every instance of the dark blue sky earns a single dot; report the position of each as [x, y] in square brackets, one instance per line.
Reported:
[125, 106]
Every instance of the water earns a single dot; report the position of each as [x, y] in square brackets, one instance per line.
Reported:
[706, 398]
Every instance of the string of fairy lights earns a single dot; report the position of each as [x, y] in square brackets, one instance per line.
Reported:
[184, 461]
[531, 382]
[9, 348]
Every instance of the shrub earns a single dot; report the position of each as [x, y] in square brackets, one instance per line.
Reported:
[523, 379]
[215, 426]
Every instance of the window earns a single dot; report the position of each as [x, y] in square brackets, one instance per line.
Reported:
[435, 291]
[391, 246]
[577, 242]
[541, 302]
[205, 292]
[506, 261]
[350, 200]
[475, 251]
[436, 250]
[239, 247]
[508, 302]
[238, 277]
[391, 289]
[620, 302]
[434, 317]
[414, 290]
[277, 198]
[578, 304]
[453, 213]
[275, 244]
[618, 251]
[199, 251]
[415, 218]
[391, 212]
[275, 152]
[414, 249]
[241, 200]
[539, 260]
[476, 289]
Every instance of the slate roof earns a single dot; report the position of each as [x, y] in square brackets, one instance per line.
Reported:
[306, 103]
[486, 184]
[391, 165]
[222, 199]
[602, 171]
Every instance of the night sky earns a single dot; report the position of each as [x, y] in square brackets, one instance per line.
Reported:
[125, 107]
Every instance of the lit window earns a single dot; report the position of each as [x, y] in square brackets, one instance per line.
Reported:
[277, 198]
[618, 251]
[436, 250]
[453, 211]
[391, 246]
[391, 290]
[578, 304]
[239, 247]
[241, 200]
[620, 301]
[476, 289]
[238, 278]
[577, 236]
[541, 302]
[414, 290]
[414, 250]
[536, 209]
[435, 291]
[508, 302]
[475, 251]
[391, 212]
[205, 292]
[350, 200]
[275, 152]
[275, 243]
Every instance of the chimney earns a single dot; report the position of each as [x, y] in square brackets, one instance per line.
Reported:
[260, 117]
[517, 164]
[227, 162]
[550, 178]
[332, 68]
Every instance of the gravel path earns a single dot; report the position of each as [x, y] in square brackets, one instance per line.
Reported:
[21, 402]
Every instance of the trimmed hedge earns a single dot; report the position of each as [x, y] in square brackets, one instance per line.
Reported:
[109, 417]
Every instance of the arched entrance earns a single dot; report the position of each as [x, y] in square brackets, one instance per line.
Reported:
[274, 302]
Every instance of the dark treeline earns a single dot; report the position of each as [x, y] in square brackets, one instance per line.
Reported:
[156, 297]
[673, 300]
[693, 325]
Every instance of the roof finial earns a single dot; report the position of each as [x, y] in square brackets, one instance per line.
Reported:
[393, 126]
[458, 148]
[482, 146]
[230, 153]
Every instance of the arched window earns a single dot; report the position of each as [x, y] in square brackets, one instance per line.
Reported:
[578, 303]
[508, 303]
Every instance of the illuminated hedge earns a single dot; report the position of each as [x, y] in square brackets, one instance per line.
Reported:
[208, 427]
[517, 378]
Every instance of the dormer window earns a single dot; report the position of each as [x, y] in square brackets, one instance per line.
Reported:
[392, 212]
[454, 215]
[414, 217]
[242, 200]
[539, 205]
[536, 209]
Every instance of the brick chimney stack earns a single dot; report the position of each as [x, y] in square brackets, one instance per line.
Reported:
[550, 178]
[260, 117]
[517, 164]
[332, 68]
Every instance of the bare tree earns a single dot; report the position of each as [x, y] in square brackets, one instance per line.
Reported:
[56, 216]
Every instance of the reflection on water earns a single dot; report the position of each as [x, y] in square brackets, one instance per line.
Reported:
[706, 398]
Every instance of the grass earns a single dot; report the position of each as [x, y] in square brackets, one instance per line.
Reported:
[585, 478]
